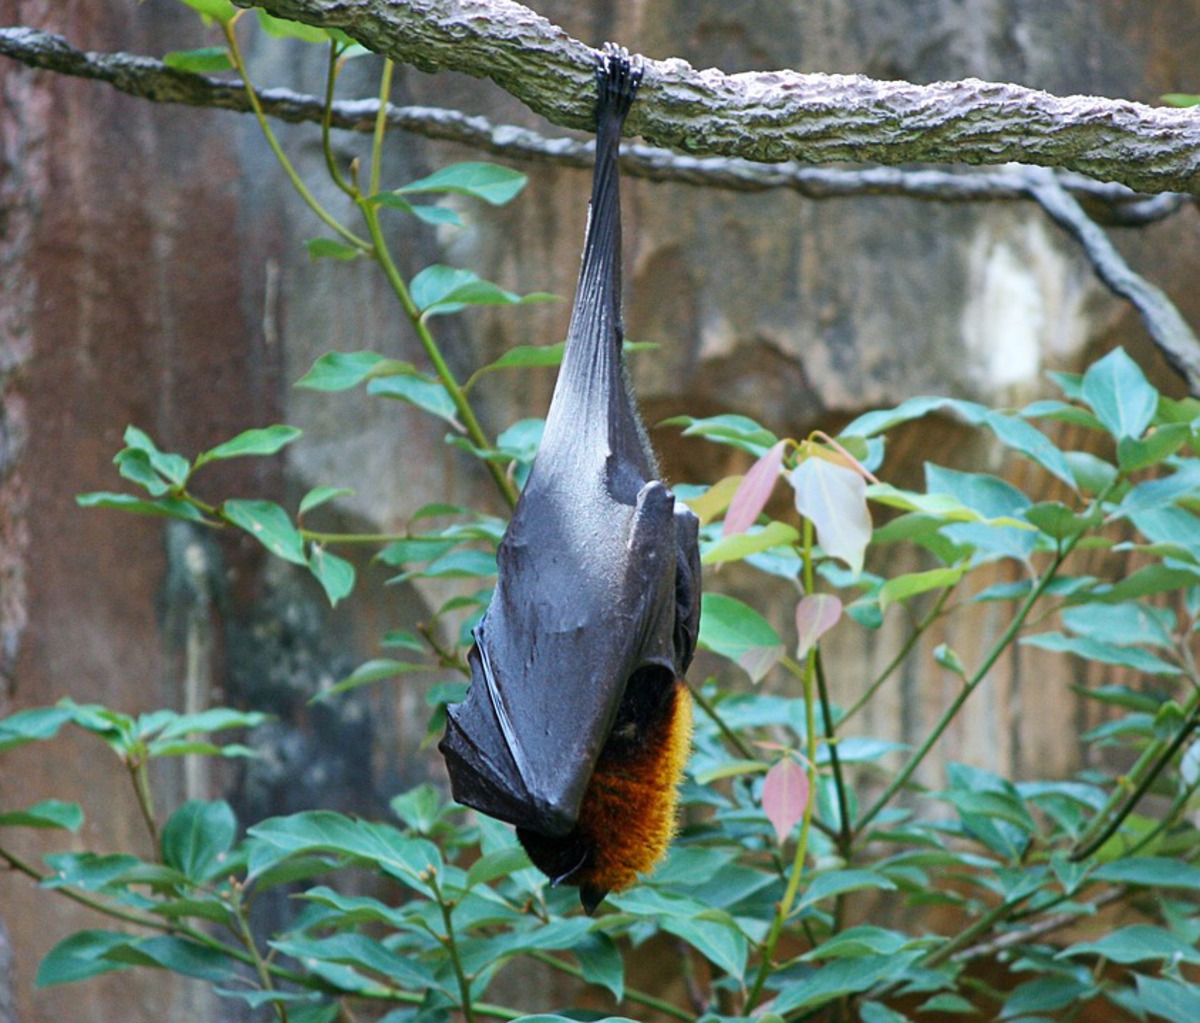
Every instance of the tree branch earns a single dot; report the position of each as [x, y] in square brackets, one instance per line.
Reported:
[774, 116]
[151, 79]
[1168, 329]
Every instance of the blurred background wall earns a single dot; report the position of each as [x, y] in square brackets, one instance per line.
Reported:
[152, 272]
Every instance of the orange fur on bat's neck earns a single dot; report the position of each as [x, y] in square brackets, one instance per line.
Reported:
[628, 816]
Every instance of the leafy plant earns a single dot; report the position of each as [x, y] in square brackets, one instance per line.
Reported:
[797, 825]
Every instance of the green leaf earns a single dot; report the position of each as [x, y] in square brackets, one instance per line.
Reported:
[1160, 443]
[201, 61]
[522, 357]
[34, 725]
[1045, 994]
[135, 466]
[215, 719]
[1093, 474]
[1168, 999]
[218, 10]
[1137, 944]
[1120, 395]
[715, 936]
[328, 248]
[86, 870]
[336, 575]
[78, 957]
[601, 962]
[322, 495]
[373, 671]
[425, 394]
[855, 942]
[266, 440]
[316, 831]
[1180, 99]
[1150, 872]
[1105, 653]
[1056, 520]
[51, 813]
[497, 864]
[197, 838]
[838, 978]
[167, 507]
[735, 431]
[902, 587]
[440, 289]
[187, 958]
[457, 564]
[270, 525]
[339, 371]
[1125, 624]
[839, 882]
[1161, 493]
[736, 631]
[738, 546]
[173, 468]
[360, 951]
[281, 28]
[490, 182]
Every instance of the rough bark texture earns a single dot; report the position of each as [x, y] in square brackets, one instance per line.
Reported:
[152, 273]
[779, 114]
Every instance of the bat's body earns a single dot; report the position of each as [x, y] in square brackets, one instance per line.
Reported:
[576, 725]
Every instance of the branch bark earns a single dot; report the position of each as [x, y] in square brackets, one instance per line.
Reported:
[148, 78]
[773, 116]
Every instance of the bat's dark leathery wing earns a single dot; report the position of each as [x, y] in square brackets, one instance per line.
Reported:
[577, 723]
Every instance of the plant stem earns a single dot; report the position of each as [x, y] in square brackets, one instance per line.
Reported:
[969, 686]
[807, 674]
[845, 826]
[260, 965]
[385, 92]
[736, 741]
[239, 64]
[139, 775]
[451, 946]
[901, 655]
[327, 121]
[1149, 766]
[461, 404]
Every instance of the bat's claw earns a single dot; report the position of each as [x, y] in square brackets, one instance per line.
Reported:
[618, 75]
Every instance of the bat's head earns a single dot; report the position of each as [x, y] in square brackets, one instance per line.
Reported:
[628, 816]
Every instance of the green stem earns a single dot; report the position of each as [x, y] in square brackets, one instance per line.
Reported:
[385, 92]
[901, 655]
[969, 687]
[471, 424]
[451, 946]
[335, 52]
[964, 937]
[807, 674]
[1145, 771]
[736, 741]
[260, 965]
[845, 828]
[239, 64]
[139, 775]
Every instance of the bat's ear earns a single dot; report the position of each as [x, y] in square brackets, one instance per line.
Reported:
[687, 586]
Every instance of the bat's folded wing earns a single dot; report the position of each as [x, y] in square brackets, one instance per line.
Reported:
[580, 606]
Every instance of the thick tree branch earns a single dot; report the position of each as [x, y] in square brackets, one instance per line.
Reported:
[778, 115]
[151, 79]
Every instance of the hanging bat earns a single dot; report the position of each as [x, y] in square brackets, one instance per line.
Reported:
[577, 723]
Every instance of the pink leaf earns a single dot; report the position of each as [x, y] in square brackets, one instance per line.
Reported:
[784, 796]
[816, 614]
[753, 492]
